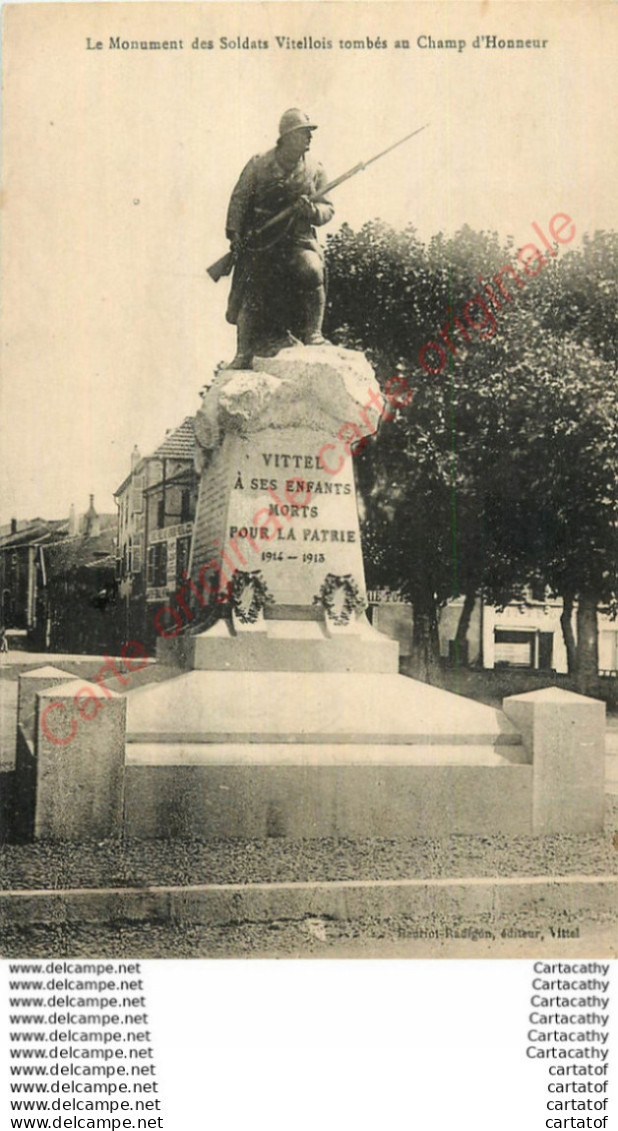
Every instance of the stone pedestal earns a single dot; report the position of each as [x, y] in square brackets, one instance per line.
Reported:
[565, 734]
[24, 797]
[277, 500]
[279, 512]
[79, 759]
[290, 718]
[287, 645]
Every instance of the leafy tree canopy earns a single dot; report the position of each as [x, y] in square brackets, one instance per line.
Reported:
[503, 468]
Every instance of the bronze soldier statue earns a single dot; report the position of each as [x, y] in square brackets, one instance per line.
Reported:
[278, 288]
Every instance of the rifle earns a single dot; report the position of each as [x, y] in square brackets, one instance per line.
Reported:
[224, 265]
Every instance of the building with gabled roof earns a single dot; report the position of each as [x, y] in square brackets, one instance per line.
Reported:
[156, 510]
[53, 574]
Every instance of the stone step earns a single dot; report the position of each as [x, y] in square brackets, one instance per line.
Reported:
[315, 790]
[314, 754]
[313, 708]
[294, 645]
[487, 900]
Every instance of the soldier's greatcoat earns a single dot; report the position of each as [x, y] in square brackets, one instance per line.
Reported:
[265, 188]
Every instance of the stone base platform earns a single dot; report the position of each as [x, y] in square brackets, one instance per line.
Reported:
[315, 754]
[283, 646]
[295, 707]
[302, 754]
[307, 791]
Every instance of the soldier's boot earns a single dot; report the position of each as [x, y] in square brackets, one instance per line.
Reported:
[244, 340]
[315, 305]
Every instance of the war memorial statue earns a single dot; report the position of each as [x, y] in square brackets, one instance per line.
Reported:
[278, 294]
[289, 403]
[278, 287]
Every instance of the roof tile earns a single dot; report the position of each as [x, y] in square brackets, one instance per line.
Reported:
[179, 443]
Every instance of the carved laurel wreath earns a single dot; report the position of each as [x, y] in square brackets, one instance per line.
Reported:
[261, 597]
[330, 590]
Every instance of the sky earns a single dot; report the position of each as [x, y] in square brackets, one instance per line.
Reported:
[118, 166]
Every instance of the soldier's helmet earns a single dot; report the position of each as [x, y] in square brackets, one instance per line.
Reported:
[295, 119]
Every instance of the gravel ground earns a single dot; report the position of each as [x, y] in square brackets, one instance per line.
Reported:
[529, 931]
[140, 863]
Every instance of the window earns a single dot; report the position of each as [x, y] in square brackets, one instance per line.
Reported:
[183, 547]
[185, 506]
[160, 565]
[137, 488]
[546, 651]
[514, 649]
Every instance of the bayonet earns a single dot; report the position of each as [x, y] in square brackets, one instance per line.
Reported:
[224, 265]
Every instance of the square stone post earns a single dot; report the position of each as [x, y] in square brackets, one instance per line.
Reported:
[24, 794]
[565, 733]
[79, 751]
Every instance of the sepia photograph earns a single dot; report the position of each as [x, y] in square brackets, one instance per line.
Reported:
[308, 507]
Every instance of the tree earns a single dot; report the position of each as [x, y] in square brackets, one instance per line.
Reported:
[422, 505]
[502, 470]
[578, 295]
[551, 500]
